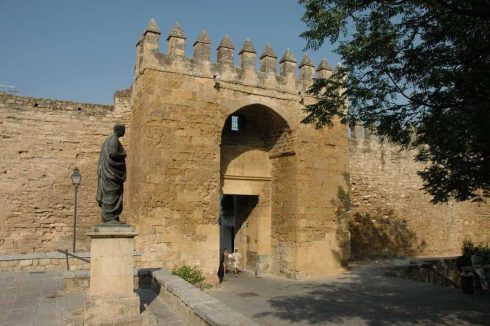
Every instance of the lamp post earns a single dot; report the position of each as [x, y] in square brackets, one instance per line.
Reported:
[76, 177]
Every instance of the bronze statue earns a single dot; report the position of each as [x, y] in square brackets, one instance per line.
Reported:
[111, 173]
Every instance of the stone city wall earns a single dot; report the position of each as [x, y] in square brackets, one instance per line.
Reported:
[177, 109]
[41, 141]
[392, 216]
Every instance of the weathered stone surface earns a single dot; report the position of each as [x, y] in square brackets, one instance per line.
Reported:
[268, 52]
[203, 38]
[288, 66]
[176, 31]
[324, 65]
[152, 27]
[324, 70]
[248, 47]
[248, 57]
[202, 47]
[176, 41]
[226, 43]
[110, 298]
[268, 60]
[306, 61]
[186, 134]
[111, 264]
[225, 51]
[183, 154]
[306, 70]
[288, 56]
[391, 215]
[42, 141]
[112, 311]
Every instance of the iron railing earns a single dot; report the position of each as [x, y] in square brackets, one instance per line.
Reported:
[66, 253]
[433, 273]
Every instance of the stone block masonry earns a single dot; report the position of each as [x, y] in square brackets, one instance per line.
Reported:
[187, 154]
[199, 131]
[41, 141]
[390, 214]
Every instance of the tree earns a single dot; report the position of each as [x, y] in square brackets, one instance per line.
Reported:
[416, 73]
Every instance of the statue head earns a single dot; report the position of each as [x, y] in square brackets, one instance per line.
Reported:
[119, 129]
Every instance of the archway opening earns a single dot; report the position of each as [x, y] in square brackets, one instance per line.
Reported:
[251, 139]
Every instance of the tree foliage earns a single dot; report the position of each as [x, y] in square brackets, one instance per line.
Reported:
[418, 74]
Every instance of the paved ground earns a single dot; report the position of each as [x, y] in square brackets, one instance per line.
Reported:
[28, 298]
[363, 296]
[37, 299]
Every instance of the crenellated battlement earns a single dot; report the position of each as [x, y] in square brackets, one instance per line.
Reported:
[288, 77]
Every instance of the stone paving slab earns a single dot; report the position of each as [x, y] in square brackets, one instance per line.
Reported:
[363, 296]
[37, 300]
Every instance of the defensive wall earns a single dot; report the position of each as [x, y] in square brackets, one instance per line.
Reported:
[184, 155]
[41, 141]
[391, 216]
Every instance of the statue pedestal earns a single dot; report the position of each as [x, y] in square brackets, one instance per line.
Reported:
[111, 297]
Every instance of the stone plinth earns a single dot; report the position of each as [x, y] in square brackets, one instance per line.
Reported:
[111, 297]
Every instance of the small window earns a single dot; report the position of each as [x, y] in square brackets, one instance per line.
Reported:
[234, 123]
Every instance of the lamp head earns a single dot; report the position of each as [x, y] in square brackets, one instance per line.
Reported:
[76, 177]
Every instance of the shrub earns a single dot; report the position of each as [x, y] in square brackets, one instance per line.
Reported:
[469, 248]
[192, 275]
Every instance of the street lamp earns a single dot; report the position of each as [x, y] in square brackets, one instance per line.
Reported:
[76, 177]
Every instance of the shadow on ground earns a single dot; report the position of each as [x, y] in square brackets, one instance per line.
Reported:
[378, 300]
[146, 298]
[145, 291]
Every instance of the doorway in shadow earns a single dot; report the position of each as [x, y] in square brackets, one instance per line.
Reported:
[238, 227]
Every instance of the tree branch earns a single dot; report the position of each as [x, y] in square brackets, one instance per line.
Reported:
[479, 12]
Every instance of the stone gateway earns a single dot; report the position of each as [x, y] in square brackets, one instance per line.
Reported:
[218, 159]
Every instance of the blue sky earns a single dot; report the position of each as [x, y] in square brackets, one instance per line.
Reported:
[85, 50]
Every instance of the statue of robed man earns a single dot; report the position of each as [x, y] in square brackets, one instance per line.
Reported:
[111, 174]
